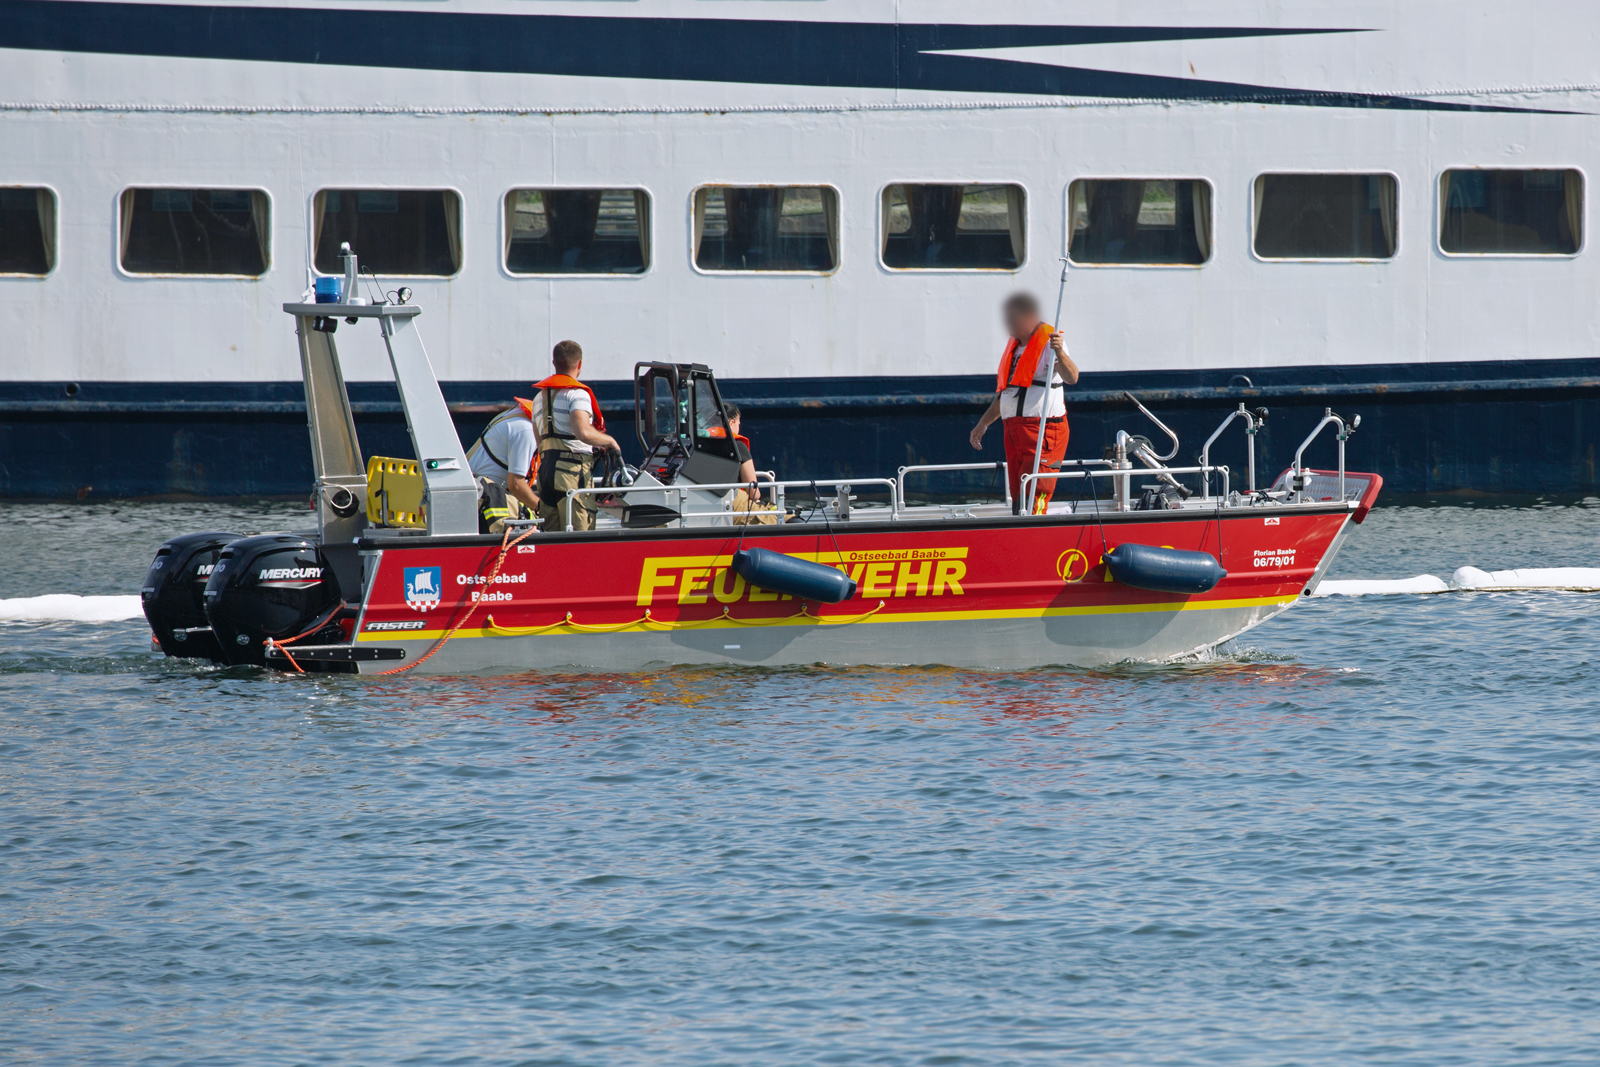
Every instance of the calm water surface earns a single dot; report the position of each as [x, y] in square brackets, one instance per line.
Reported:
[1366, 835]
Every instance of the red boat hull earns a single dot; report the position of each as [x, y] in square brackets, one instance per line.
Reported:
[1013, 593]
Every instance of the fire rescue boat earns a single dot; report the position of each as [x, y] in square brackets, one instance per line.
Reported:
[1138, 559]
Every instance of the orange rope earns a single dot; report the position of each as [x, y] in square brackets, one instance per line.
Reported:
[505, 547]
[290, 657]
[291, 640]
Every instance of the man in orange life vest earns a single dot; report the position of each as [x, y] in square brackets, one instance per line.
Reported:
[502, 461]
[562, 426]
[1020, 394]
[571, 428]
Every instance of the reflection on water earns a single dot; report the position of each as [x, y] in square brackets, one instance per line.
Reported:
[1363, 835]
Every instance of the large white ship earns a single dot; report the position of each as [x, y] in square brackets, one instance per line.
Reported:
[1376, 206]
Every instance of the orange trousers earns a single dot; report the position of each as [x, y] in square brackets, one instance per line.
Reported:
[1021, 436]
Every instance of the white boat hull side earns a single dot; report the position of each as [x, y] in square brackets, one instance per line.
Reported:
[1080, 640]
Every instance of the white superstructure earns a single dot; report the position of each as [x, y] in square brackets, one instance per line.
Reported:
[1384, 96]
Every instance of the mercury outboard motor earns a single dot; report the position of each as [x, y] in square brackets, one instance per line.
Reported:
[273, 586]
[174, 594]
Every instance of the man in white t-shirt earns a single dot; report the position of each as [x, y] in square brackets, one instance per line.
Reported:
[571, 427]
[1020, 395]
[502, 462]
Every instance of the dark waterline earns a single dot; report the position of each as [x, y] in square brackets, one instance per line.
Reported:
[1364, 835]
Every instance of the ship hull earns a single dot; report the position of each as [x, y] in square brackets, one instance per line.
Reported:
[1511, 427]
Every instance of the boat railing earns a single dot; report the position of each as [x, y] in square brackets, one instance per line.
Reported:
[839, 485]
[1163, 427]
[1030, 480]
[1299, 477]
[1253, 421]
[1121, 472]
[927, 468]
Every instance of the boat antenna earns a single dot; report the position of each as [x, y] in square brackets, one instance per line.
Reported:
[1049, 384]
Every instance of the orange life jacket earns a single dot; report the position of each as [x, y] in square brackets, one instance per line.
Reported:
[526, 408]
[564, 381]
[1020, 373]
[722, 431]
[533, 468]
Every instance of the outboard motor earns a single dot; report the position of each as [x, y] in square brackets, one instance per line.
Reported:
[174, 594]
[273, 586]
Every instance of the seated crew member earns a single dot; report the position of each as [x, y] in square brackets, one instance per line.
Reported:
[743, 499]
[570, 427]
[502, 460]
[1020, 394]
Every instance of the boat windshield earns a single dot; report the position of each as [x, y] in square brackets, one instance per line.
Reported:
[707, 411]
[711, 429]
[663, 406]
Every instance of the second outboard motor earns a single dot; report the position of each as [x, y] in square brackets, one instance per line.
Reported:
[1164, 570]
[174, 594]
[801, 578]
[277, 586]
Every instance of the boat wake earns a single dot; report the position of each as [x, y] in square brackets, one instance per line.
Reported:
[1422, 583]
[69, 607]
[1574, 579]
[1473, 580]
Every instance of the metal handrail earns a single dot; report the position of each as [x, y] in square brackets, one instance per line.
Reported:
[1251, 425]
[1297, 475]
[919, 468]
[683, 492]
[1029, 480]
[1164, 427]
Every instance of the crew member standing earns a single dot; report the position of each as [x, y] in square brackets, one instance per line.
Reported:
[570, 426]
[1020, 395]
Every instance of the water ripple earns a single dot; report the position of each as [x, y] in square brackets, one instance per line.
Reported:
[1364, 835]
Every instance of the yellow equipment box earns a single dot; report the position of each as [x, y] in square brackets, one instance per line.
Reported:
[395, 488]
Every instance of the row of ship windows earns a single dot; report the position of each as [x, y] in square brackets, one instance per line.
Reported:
[1158, 221]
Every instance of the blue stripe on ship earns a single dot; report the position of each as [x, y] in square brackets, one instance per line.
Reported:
[862, 55]
[1527, 426]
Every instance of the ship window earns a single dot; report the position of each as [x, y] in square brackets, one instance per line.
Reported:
[1511, 212]
[1150, 221]
[27, 231]
[577, 231]
[1325, 216]
[953, 227]
[405, 232]
[766, 228]
[196, 231]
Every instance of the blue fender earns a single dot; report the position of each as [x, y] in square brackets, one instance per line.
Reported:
[799, 578]
[1165, 570]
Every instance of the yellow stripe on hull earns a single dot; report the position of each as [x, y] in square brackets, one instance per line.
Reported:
[649, 625]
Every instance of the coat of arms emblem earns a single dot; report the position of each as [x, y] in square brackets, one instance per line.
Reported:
[422, 587]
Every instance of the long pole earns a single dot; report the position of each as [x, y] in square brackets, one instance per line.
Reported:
[1049, 384]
